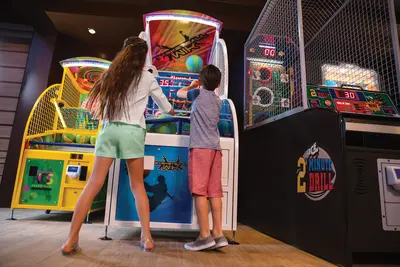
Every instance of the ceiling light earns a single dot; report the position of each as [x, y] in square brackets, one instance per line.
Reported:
[91, 31]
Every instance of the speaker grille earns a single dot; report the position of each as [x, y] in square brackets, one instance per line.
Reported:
[360, 185]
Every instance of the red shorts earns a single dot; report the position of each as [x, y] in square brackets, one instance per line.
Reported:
[205, 172]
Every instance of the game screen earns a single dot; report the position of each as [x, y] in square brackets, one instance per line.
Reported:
[269, 78]
[180, 45]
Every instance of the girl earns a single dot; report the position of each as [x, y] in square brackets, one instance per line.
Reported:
[121, 96]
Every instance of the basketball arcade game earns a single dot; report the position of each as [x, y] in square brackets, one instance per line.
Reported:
[56, 157]
[269, 78]
[339, 139]
[180, 43]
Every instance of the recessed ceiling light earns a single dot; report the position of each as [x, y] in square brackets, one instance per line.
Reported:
[91, 31]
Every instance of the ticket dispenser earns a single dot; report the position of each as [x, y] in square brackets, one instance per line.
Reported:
[389, 186]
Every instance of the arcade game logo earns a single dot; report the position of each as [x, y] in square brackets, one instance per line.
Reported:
[316, 173]
[166, 165]
[184, 48]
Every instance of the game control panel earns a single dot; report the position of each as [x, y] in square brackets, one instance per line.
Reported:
[351, 101]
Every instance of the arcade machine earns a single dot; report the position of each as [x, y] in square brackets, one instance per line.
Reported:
[56, 157]
[327, 171]
[181, 42]
[269, 78]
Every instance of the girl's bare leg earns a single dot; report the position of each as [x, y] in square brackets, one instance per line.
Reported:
[135, 168]
[92, 188]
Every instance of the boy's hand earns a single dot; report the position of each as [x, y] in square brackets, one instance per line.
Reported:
[194, 84]
[172, 112]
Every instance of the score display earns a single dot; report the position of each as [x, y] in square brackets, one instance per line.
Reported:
[351, 101]
[346, 94]
[270, 52]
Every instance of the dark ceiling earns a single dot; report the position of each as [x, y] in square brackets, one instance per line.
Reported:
[114, 20]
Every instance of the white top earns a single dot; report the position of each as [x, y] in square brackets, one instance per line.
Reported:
[137, 102]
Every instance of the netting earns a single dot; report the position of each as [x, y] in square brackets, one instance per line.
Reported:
[272, 58]
[351, 43]
[43, 115]
[347, 43]
[78, 119]
[70, 92]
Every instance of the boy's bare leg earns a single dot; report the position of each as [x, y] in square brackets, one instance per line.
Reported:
[205, 240]
[201, 204]
[216, 210]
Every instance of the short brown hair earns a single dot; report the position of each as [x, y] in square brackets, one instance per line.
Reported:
[210, 77]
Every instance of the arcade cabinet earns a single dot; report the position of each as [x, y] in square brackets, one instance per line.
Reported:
[328, 178]
[180, 43]
[56, 158]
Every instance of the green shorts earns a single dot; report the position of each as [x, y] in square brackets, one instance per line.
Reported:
[120, 140]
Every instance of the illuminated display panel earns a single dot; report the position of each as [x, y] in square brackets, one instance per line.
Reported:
[181, 41]
[86, 70]
[347, 75]
[346, 94]
[352, 101]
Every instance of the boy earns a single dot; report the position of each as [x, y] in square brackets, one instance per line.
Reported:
[205, 157]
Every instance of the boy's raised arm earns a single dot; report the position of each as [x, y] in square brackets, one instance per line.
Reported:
[182, 93]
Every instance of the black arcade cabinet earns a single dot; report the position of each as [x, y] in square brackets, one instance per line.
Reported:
[322, 173]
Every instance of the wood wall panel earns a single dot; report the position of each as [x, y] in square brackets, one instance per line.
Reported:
[10, 89]
[13, 59]
[5, 46]
[11, 75]
[4, 144]
[7, 118]
[5, 131]
[8, 104]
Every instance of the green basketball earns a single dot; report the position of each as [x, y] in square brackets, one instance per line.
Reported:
[194, 63]
[35, 146]
[164, 128]
[82, 139]
[48, 139]
[93, 140]
[68, 138]
[59, 138]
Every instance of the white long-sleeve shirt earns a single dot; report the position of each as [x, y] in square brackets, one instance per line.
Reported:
[137, 101]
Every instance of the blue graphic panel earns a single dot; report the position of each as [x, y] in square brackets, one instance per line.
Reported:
[167, 188]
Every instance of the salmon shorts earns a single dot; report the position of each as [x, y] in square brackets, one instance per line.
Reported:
[205, 172]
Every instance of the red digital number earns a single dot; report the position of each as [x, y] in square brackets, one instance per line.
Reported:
[350, 95]
[269, 52]
[269, 39]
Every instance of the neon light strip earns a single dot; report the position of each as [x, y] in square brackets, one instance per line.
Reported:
[60, 116]
[183, 18]
[262, 60]
[267, 46]
[85, 64]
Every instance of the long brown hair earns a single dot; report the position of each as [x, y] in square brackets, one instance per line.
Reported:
[125, 70]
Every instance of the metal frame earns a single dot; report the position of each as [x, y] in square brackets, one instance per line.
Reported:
[336, 8]
[395, 39]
